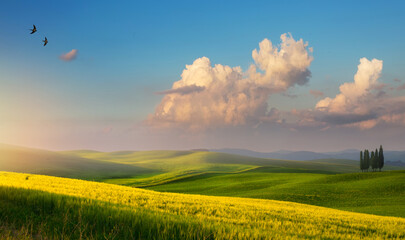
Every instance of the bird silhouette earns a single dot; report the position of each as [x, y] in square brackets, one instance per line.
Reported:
[45, 41]
[34, 29]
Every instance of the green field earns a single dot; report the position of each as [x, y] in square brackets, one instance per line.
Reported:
[330, 183]
[240, 199]
[381, 193]
[169, 161]
[169, 166]
[20, 159]
[43, 207]
[334, 183]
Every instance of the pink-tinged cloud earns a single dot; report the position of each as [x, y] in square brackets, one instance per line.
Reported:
[316, 93]
[209, 96]
[380, 86]
[107, 129]
[402, 87]
[69, 56]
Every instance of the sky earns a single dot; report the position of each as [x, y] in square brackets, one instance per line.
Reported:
[260, 75]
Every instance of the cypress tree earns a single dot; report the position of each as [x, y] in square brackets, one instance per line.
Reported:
[372, 161]
[381, 158]
[377, 159]
[361, 161]
[366, 160]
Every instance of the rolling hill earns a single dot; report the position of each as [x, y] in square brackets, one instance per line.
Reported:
[175, 160]
[352, 154]
[178, 160]
[381, 193]
[221, 174]
[175, 165]
[52, 207]
[20, 159]
[150, 168]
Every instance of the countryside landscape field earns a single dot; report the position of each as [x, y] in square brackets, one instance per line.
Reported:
[96, 210]
[197, 120]
[213, 196]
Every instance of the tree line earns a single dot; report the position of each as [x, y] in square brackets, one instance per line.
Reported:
[375, 160]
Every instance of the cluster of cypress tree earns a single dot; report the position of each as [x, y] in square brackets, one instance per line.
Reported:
[374, 161]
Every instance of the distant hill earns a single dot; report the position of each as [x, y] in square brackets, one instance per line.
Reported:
[175, 165]
[168, 161]
[397, 163]
[28, 160]
[146, 168]
[353, 154]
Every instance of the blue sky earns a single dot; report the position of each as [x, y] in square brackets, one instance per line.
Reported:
[129, 51]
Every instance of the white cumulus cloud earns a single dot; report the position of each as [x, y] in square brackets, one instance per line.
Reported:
[362, 103]
[348, 100]
[210, 96]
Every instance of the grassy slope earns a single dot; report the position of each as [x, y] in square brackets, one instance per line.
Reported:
[57, 207]
[174, 165]
[19, 159]
[216, 174]
[222, 174]
[160, 160]
[144, 168]
[166, 166]
[381, 193]
[175, 160]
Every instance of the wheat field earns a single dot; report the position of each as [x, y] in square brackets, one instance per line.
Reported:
[222, 217]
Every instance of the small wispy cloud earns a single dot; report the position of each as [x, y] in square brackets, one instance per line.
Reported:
[402, 87]
[289, 95]
[67, 57]
[380, 86]
[107, 129]
[182, 90]
[397, 80]
[316, 93]
[345, 118]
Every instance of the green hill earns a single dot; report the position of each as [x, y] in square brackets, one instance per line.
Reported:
[43, 207]
[175, 165]
[175, 160]
[381, 193]
[318, 182]
[143, 168]
[20, 159]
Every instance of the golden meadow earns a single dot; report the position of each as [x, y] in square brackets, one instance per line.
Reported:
[125, 212]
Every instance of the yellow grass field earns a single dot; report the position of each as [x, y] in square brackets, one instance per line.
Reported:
[232, 217]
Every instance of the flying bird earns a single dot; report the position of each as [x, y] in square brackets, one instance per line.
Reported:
[34, 29]
[45, 41]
